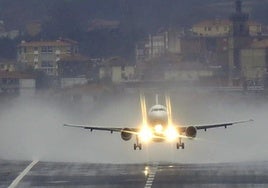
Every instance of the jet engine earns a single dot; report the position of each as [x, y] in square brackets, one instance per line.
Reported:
[191, 131]
[126, 134]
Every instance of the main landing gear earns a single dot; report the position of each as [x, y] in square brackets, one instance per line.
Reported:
[180, 144]
[137, 144]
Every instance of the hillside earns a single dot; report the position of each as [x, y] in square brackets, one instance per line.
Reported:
[150, 14]
[73, 18]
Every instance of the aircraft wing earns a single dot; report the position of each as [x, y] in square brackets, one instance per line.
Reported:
[110, 129]
[209, 126]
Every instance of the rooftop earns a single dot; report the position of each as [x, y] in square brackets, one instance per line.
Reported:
[210, 23]
[15, 75]
[260, 44]
[221, 22]
[97, 24]
[60, 42]
[116, 61]
[74, 57]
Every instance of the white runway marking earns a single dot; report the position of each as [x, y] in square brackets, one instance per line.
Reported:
[151, 176]
[22, 174]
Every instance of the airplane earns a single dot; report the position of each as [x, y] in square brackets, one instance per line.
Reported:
[157, 126]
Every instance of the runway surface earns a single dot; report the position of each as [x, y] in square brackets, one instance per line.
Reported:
[54, 174]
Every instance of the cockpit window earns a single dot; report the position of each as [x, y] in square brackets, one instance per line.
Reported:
[158, 109]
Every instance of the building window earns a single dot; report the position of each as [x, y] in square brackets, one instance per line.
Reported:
[241, 28]
[123, 76]
[47, 64]
[49, 49]
[44, 49]
[69, 49]
[76, 50]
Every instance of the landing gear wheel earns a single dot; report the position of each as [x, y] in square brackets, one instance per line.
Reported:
[180, 145]
[137, 146]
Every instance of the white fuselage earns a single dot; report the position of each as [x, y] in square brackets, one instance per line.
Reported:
[158, 122]
[158, 125]
[158, 115]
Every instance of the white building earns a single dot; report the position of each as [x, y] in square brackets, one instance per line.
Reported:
[116, 70]
[44, 55]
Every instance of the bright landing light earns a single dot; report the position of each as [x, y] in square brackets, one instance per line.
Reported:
[158, 129]
[171, 133]
[146, 171]
[146, 134]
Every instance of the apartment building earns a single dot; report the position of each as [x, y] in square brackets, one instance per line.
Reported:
[44, 55]
[254, 62]
[117, 70]
[155, 46]
[14, 83]
[219, 27]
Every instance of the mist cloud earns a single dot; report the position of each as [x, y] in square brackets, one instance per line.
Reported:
[32, 128]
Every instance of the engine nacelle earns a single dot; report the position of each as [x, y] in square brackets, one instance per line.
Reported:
[191, 131]
[126, 134]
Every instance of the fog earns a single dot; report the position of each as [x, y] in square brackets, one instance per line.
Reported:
[32, 128]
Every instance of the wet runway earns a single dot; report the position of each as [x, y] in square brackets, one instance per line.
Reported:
[156, 175]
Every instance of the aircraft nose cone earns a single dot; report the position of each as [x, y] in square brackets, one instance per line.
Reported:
[158, 117]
